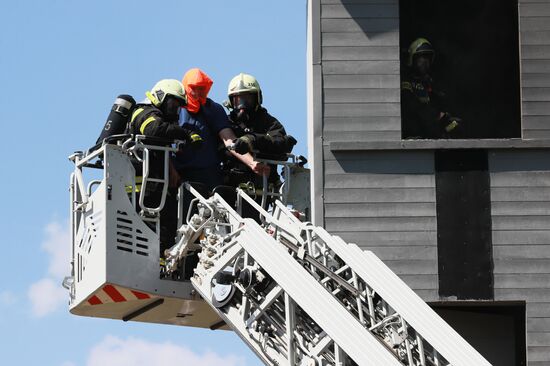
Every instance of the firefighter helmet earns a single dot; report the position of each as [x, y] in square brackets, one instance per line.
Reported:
[165, 87]
[244, 84]
[418, 47]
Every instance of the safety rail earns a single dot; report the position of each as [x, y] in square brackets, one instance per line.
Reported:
[292, 161]
[190, 226]
[137, 148]
[145, 161]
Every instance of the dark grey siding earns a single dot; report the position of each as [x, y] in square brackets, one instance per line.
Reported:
[385, 202]
[360, 63]
[535, 68]
[374, 199]
[520, 195]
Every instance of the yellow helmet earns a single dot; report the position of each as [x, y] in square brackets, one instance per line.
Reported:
[244, 84]
[420, 46]
[166, 87]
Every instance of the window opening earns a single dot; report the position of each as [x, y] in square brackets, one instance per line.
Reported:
[470, 49]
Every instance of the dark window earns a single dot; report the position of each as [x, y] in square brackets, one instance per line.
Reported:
[494, 329]
[474, 74]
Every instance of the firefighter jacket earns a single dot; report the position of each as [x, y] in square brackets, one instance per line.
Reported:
[422, 106]
[148, 120]
[268, 138]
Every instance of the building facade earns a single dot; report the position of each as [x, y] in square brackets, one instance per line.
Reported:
[464, 222]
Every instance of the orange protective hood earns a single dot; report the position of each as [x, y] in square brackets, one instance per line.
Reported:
[197, 86]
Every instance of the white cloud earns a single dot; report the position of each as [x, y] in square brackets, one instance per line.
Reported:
[7, 298]
[138, 352]
[57, 245]
[46, 296]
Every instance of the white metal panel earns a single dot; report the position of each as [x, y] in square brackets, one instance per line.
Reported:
[113, 246]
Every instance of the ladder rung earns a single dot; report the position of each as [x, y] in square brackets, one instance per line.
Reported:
[155, 180]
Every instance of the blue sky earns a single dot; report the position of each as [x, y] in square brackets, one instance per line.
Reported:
[62, 63]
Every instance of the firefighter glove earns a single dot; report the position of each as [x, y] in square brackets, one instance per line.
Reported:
[290, 141]
[242, 145]
[450, 123]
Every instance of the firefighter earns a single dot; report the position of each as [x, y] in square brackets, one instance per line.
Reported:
[256, 128]
[425, 115]
[157, 116]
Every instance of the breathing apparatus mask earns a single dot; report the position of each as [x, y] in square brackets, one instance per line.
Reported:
[244, 106]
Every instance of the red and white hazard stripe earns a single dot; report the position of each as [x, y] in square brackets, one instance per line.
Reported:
[111, 293]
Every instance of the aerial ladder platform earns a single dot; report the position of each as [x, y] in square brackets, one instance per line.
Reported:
[295, 294]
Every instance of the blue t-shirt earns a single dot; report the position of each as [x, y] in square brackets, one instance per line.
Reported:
[208, 122]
